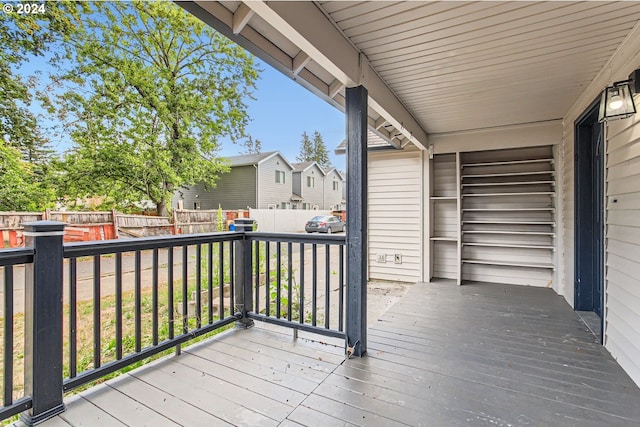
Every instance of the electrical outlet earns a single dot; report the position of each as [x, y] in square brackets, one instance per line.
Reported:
[381, 258]
[397, 258]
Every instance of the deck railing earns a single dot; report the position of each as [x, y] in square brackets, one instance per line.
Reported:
[94, 308]
[299, 281]
[11, 259]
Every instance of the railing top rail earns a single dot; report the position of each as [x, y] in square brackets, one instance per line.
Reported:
[297, 237]
[16, 256]
[79, 249]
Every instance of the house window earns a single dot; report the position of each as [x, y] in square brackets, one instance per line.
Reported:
[305, 206]
[285, 205]
[280, 177]
[335, 186]
[310, 181]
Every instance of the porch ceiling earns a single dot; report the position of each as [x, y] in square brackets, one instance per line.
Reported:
[435, 67]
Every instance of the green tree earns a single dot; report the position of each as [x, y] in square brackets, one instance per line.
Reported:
[21, 189]
[320, 152]
[313, 150]
[306, 149]
[152, 92]
[252, 146]
[26, 174]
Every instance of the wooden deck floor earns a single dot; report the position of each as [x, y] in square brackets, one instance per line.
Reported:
[480, 355]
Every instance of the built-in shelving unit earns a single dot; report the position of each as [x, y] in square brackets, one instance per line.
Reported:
[508, 216]
[493, 216]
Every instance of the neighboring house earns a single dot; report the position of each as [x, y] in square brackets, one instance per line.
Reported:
[308, 185]
[259, 181]
[334, 197]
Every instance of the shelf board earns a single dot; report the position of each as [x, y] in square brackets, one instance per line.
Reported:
[509, 264]
[504, 184]
[444, 239]
[443, 197]
[509, 210]
[482, 221]
[511, 232]
[509, 245]
[506, 174]
[526, 193]
[511, 162]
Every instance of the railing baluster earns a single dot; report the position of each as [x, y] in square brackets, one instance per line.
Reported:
[314, 279]
[97, 329]
[278, 278]
[232, 288]
[73, 317]
[170, 297]
[154, 298]
[257, 269]
[267, 285]
[198, 286]
[341, 290]
[221, 279]
[185, 289]
[118, 306]
[289, 279]
[8, 336]
[138, 301]
[301, 303]
[210, 282]
[327, 282]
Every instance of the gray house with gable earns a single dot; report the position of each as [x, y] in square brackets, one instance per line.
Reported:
[259, 181]
[334, 197]
[308, 185]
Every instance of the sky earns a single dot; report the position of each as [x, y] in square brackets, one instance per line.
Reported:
[282, 111]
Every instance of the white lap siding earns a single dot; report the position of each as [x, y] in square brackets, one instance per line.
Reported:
[623, 244]
[395, 215]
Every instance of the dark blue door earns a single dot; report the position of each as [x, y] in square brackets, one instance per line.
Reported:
[589, 213]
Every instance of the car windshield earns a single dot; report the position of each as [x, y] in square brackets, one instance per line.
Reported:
[318, 218]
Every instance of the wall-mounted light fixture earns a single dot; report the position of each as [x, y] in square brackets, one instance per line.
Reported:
[616, 101]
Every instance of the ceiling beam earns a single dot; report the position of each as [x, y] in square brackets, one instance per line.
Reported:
[304, 24]
[299, 62]
[380, 122]
[241, 18]
[335, 87]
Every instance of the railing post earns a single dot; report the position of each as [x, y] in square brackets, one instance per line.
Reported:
[243, 294]
[43, 321]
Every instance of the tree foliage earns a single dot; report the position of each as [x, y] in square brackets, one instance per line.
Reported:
[320, 152]
[27, 179]
[24, 186]
[152, 91]
[252, 146]
[313, 150]
[306, 149]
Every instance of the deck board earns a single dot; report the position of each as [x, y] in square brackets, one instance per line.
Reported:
[443, 355]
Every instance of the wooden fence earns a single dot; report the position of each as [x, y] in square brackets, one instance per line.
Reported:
[88, 226]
